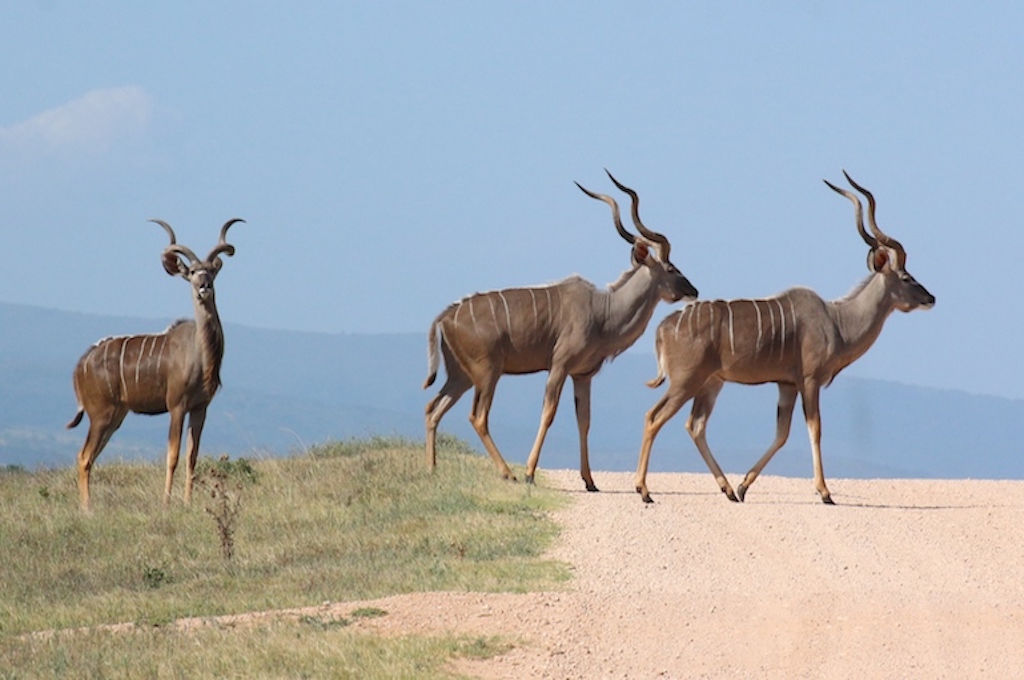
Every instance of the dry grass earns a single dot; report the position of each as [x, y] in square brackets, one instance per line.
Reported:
[346, 521]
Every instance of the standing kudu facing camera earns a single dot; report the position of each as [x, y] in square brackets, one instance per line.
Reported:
[177, 371]
[794, 339]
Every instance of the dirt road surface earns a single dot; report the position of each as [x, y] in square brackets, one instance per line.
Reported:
[901, 579]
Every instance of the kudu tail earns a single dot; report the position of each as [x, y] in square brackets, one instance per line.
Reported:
[657, 380]
[77, 419]
[81, 409]
[433, 357]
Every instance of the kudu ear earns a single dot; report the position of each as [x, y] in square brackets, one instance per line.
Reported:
[641, 251]
[173, 264]
[880, 257]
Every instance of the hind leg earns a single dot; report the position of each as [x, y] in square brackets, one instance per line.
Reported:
[696, 425]
[783, 420]
[101, 427]
[655, 419]
[479, 418]
[456, 385]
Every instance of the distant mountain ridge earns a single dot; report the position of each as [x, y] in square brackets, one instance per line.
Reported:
[285, 390]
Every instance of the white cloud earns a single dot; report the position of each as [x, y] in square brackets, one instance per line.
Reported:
[93, 122]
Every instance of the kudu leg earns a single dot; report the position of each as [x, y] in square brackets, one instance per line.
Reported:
[552, 393]
[196, 420]
[654, 420]
[173, 449]
[783, 421]
[453, 389]
[696, 425]
[812, 413]
[101, 428]
[581, 394]
[479, 418]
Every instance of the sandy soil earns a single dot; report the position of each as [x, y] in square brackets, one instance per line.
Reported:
[901, 579]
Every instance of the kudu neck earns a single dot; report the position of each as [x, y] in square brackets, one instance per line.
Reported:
[861, 315]
[630, 303]
[209, 340]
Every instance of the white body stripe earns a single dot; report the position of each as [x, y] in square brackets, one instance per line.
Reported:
[138, 362]
[732, 340]
[508, 314]
[757, 310]
[782, 316]
[120, 363]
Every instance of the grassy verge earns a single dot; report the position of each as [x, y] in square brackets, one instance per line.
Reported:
[346, 521]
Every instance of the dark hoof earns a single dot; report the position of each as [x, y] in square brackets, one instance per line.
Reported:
[741, 493]
[529, 479]
[730, 495]
[592, 488]
[647, 499]
[827, 500]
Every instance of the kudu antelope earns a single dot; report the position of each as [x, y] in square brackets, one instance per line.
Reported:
[794, 339]
[177, 371]
[568, 328]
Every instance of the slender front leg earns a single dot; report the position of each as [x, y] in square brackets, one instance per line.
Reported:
[813, 416]
[783, 420]
[581, 393]
[173, 449]
[552, 392]
[196, 420]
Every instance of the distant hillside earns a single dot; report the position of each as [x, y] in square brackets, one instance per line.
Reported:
[285, 390]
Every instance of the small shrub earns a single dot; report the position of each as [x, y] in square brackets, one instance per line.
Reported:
[224, 481]
[154, 577]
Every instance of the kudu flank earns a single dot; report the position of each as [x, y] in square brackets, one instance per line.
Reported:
[177, 371]
[568, 328]
[794, 339]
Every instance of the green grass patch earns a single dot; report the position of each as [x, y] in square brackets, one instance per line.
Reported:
[350, 520]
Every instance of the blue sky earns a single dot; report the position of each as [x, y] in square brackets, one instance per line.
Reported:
[391, 157]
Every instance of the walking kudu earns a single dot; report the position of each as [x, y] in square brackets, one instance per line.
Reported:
[568, 328]
[794, 339]
[177, 371]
